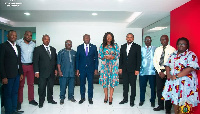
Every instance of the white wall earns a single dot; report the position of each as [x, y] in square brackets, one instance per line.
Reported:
[61, 31]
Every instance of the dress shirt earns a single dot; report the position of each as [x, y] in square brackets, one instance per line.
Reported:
[14, 47]
[48, 48]
[26, 50]
[168, 50]
[147, 67]
[86, 46]
[128, 47]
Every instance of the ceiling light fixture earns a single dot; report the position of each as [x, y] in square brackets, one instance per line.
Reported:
[27, 13]
[157, 28]
[94, 14]
[133, 16]
[4, 20]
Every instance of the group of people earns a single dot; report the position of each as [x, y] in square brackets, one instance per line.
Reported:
[171, 72]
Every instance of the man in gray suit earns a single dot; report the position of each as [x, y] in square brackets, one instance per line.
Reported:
[44, 63]
[66, 71]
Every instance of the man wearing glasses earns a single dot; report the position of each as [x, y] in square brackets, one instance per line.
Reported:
[66, 71]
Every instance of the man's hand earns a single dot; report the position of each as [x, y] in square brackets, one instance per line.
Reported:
[95, 72]
[169, 76]
[120, 71]
[37, 75]
[173, 77]
[56, 72]
[60, 73]
[21, 77]
[77, 73]
[4, 81]
[162, 75]
[137, 72]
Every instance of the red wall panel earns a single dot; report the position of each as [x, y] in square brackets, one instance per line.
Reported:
[185, 22]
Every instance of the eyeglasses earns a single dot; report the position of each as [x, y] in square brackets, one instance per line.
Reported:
[147, 40]
[182, 45]
[68, 43]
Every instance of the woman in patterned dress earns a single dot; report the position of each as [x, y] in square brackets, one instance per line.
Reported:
[109, 54]
[181, 86]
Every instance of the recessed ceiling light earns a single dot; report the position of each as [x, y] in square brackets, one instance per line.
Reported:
[133, 16]
[27, 13]
[94, 14]
[157, 28]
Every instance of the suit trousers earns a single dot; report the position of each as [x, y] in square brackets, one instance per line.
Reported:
[29, 73]
[143, 84]
[64, 82]
[10, 94]
[160, 83]
[129, 77]
[89, 75]
[43, 83]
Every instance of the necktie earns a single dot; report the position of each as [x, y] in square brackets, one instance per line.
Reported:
[148, 53]
[162, 57]
[48, 52]
[86, 51]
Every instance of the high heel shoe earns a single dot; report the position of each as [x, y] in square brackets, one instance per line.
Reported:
[110, 102]
[105, 101]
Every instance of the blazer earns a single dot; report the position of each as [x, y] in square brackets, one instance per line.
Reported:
[90, 62]
[132, 62]
[42, 63]
[10, 63]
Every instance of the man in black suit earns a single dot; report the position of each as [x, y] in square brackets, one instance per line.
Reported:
[11, 72]
[44, 63]
[129, 66]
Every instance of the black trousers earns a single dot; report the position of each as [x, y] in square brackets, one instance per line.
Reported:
[129, 78]
[43, 83]
[160, 83]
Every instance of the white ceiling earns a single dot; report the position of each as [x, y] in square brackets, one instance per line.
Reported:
[116, 11]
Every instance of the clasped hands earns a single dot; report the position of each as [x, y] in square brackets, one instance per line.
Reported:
[109, 57]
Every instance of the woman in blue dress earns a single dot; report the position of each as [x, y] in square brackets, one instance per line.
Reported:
[109, 54]
[181, 86]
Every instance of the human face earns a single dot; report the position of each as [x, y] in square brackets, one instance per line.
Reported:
[46, 40]
[182, 46]
[28, 36]
[109, 38]
[164, 41]
[147, 41]
[86, 39]
[12, 36]
[129, 38]
[68, 45]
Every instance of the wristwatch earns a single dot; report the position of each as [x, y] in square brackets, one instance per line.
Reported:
[177, 76]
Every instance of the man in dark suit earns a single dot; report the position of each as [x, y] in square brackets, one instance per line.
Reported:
[86, 65]
[129, 66]
[44, 63]
[11, 72]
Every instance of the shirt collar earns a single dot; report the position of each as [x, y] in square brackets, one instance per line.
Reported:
[46, 46]
[85, 45]
[129, 44]
[12, 43]
[146, 46]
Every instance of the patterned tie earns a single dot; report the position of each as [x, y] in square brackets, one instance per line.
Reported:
[148, 53]
[48, 52]
[162, 57]
[86, 51]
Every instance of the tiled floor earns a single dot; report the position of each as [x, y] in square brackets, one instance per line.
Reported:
[97, 108]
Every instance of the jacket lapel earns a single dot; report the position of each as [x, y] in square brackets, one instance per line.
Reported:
[11, 49]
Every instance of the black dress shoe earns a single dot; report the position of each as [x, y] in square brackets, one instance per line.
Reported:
[132, 104]
[90, 101]
[152, 104]
[141, 103]
[81, 101]
[123, 101]
[18, 112]
[61, 101]
[168, 112]
[33, 102]
[52, 102]
[40, 105]
[158, 108]
[18, 106]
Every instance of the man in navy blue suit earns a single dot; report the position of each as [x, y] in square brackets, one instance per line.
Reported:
[86, 66]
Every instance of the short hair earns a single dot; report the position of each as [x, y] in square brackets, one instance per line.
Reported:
[165, 37]
[86, 35]
[10, 31]
[27, 31]
[147, 37]
[131, 34]
[68, 40]
[45, 35]
[185, 39]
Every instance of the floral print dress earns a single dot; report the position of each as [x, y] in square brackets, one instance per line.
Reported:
[183, 90]
[109, 68]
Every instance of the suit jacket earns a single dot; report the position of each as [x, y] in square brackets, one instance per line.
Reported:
[132, 62]
[90, 62]
[10, 63]
[42, 63]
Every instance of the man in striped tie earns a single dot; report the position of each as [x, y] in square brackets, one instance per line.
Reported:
[147, 71]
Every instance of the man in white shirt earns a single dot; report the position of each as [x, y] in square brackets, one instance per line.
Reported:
[161, 56]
